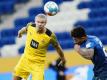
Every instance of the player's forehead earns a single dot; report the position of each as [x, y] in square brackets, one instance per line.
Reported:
[77, 38]
[42, 16]
[39, 19]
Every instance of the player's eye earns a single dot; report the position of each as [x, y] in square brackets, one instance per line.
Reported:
[41, 21]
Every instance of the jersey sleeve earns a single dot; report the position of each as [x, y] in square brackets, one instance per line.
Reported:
[90, 45]
[30, 23]
[54, 40]
[28, 26]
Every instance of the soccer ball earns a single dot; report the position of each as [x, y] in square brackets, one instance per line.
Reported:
[51, 8]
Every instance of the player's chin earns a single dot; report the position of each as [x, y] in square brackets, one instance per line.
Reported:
[78, 43]
[40, 27]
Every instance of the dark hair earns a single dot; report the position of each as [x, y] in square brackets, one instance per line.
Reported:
[78, 32]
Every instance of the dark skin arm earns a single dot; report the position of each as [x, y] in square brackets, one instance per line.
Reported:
[58, 49]
[60, 53]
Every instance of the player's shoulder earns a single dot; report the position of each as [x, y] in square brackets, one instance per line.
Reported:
[48, 32]
[31, 24]
[93, 38]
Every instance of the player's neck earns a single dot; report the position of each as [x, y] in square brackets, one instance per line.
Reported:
[42, 31]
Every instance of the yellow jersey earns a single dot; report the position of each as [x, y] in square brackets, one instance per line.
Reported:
[37, 44]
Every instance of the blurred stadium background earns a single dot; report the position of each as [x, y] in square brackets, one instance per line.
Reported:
[14, 14]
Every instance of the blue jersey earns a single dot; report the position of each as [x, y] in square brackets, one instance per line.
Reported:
[100, 56]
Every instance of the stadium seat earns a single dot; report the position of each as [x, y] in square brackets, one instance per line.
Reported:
[22, 1]
[7, 41]
[9, 32]
[51, 48]
[21, 22]
[66, 44]
[6, 7]
[85, 24]
[9, 8]
[1, 44]
[93, 4]
[93, 22]
[98, 13]
[64, 40]
[36, 10]
[21, 50]
[1, 9]
[15, 1]
[63, 35]
[103, 39]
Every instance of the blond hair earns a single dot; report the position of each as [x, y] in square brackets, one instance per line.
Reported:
[41, 15]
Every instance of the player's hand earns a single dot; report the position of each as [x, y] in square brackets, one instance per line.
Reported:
[19, 34]
[62, 62]
[77, 47]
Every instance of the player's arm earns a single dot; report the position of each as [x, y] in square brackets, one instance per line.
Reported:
[86, 53]
[23, 30]
[57, 47]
